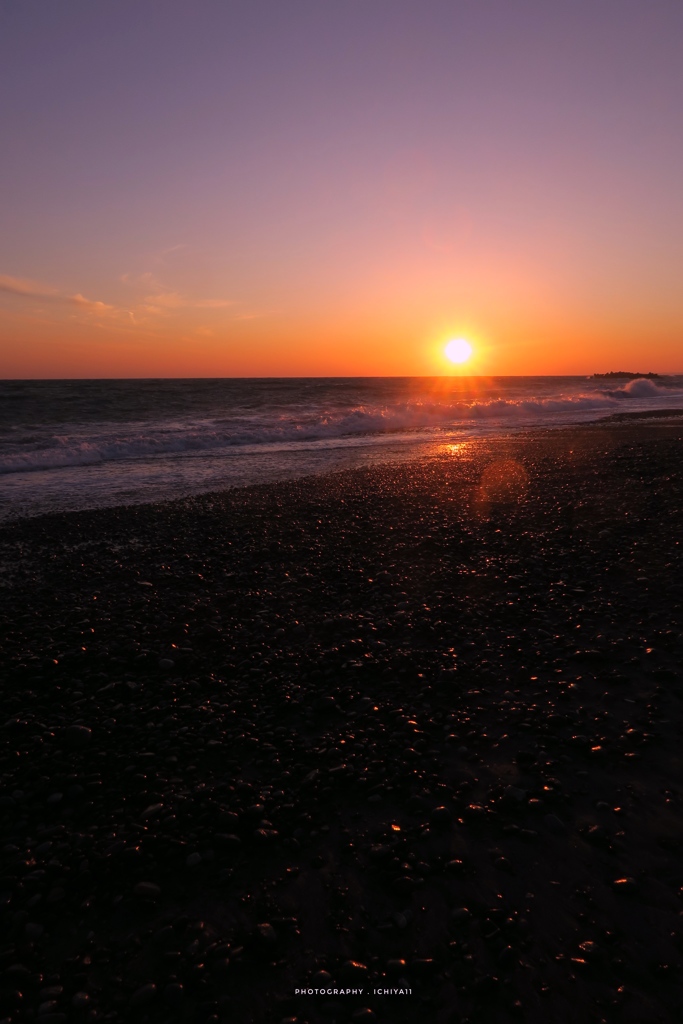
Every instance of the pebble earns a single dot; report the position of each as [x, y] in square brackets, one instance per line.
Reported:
[555, 825]
[626, 885]
[461, 915]
[77, 736]
[352, 972]
[143, 995]
[515, 794]
[266, 933]
[477, 739]
[152, 811]
[396, 966]
[325, 703]
[147, 890]
[173, 992]
[441, 818]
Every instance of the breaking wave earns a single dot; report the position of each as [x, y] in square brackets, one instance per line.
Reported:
[315, 423]
[641, 387]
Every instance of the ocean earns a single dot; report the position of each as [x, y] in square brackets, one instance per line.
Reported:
[76, 444]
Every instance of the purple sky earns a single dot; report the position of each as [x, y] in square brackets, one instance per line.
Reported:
[244, 178]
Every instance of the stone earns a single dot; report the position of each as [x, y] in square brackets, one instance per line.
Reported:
[153, 811]
[515, 795]
[173, 992]
[324, 704]
[251, 732]
[461, 916]
[352, 971]
[266, 933]
[77, 736]
[144, 995]
[147, 890]
[625, 886]
[555, 825]
[441, 818]
[423, 967]
[507, 956]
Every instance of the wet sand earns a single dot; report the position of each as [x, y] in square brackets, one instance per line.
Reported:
[411, 728]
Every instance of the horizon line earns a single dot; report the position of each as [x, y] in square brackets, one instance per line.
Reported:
[393, 376]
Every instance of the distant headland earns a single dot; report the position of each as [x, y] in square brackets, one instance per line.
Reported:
[626, 373]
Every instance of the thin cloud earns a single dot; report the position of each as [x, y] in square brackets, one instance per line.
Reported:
[172, 300]
[93, 306]
[161, 304]
[34, 290]
[146, 280]
[23, 286]
[160, 298]
[166, 300]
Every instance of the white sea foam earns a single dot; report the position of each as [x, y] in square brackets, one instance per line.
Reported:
[106, 442]
[94, 442]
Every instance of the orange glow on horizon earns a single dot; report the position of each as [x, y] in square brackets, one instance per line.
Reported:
[46, 338]
[328, 224]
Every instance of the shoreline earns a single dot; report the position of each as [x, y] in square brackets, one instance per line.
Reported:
[658, 417]
[414, 726]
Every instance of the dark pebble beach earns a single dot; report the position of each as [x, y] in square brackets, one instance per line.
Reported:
[412, 731]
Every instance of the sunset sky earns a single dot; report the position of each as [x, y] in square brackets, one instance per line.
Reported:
[303, 188]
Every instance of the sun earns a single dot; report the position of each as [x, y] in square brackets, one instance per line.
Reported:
[458, 350]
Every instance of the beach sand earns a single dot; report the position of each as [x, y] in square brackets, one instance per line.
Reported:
[416, 728]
